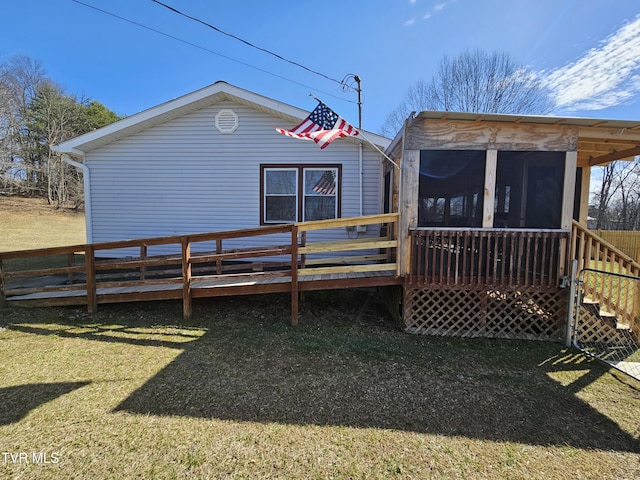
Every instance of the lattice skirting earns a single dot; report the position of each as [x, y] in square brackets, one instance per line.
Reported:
[595, 329]
[492, 312]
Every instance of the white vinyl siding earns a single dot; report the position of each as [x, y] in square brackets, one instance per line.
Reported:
[184, 176]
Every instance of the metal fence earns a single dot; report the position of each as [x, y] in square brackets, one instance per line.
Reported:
[594, 326]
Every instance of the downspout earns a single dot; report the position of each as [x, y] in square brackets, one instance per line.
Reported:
[87, 193]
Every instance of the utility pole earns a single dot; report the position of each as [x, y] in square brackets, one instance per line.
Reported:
[359, 90]
[346, 86]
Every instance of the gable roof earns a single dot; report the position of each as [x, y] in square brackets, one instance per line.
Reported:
[205, 97]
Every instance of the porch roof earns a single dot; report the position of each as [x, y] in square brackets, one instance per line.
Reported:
[600, 141]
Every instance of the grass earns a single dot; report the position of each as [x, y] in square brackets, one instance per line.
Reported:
[28, 223]
[130, 392]
[133, 392]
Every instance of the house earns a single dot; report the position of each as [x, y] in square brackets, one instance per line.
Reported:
[484, 215]
[213, 161]
[493, 208]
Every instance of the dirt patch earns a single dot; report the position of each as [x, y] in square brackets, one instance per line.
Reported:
[16, 205]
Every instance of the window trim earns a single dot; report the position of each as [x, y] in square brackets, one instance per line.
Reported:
[300, 194]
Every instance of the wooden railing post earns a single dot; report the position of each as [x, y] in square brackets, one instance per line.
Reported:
[143, 256]
[3, 298]
[90, 282]
[635, 308]
[71, 262]
[218, 252]
[294, 275]
[186, 278]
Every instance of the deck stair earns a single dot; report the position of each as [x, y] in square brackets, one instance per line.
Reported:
[608, 315]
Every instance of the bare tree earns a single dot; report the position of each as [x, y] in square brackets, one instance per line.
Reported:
[617, 201]
[36, 113]
[474, 81]
[20, 78]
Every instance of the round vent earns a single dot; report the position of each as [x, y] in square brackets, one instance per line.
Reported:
[226, 121]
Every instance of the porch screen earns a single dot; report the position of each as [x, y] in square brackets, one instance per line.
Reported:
[451, 188]
[529, 190]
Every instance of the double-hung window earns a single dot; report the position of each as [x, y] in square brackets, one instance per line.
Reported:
[299, 193]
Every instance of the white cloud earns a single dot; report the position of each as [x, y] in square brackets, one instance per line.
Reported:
[435, 10]
[604, 76]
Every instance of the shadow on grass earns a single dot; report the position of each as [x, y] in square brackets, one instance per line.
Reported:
[102, 334]
[17, 401]
[346, 364]
[363, 373]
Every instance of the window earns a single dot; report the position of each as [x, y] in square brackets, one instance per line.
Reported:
[451, 188]
[529, 189]
[293, 193]
[280, 195]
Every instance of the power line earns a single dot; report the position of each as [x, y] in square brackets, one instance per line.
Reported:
[235, 37]
[186, 42]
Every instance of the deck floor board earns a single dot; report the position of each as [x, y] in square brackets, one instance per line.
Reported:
[243, 284]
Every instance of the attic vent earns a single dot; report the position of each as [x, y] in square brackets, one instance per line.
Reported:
[226, 121]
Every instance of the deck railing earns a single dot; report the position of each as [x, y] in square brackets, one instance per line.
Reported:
[96, 273]
[615, 295]
[479, 257]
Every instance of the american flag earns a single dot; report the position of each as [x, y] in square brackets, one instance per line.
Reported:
[322, 126]
[327, 184]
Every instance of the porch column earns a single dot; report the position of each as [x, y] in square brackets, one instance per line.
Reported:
[490, 168]
[569, 189]
[408, 207]
[584, 196]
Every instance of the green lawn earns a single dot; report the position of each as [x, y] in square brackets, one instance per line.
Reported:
[27, 223]
[134, 392]
[131, 392]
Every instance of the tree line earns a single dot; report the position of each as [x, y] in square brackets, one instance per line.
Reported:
[35, 114]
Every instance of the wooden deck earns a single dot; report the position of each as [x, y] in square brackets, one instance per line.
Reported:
[227, 285]
[84, 275]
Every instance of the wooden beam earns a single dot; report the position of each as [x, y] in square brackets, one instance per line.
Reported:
[345, 245]
[372, 267]
[584, 195]
[347, 259]
[490, 169]
[90, 274]
[346, 222]
[618, 155]
[186, 279]
[3, 301]
[45, 271]
[409, 190]
[472, 135]
[568, 189]
[143, 256]
[294, 275]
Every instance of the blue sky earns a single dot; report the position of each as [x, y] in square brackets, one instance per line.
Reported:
[587, 51]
